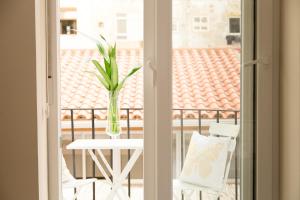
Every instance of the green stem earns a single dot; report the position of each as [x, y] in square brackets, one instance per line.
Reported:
[113, 115]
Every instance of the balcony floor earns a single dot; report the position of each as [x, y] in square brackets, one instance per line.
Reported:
[136, 192]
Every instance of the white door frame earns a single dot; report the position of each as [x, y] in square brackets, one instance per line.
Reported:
[41, 94]
[53, 87]
[158, 100]
[267, 149]
[266, 158]
[247, 107]
[158, 165]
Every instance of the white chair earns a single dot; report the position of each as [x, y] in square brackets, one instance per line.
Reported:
[186, 189]
[69, 182]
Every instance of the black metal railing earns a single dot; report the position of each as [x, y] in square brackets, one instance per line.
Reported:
[201, 116]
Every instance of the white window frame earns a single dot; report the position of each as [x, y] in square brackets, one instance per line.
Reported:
[41, 97]
[267, 173]
[157, 125]
[200, 23]
[53, 87]
[265, 68]
[158, 100]
[124, 17]
[158, 165]
[247, 107]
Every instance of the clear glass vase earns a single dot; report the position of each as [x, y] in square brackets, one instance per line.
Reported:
[113, 127]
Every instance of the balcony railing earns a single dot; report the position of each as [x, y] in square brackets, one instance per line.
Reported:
[202, 120]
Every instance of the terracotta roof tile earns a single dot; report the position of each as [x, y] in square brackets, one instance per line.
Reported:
[202, 79]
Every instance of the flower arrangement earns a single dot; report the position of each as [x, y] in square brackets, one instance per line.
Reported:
[108, 75]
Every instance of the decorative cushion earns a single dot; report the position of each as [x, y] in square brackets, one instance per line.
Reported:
[205, 161]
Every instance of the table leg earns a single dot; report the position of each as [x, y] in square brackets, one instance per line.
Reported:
[117, 169]
[94, 157]
[116, 164]
[118, 182]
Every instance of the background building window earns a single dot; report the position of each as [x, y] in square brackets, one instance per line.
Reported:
[234, 25]
[67, 26]
[121, 26]
[200, 23]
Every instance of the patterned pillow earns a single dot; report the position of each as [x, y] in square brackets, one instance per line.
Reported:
[205, 161]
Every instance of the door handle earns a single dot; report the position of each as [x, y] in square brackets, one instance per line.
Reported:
[150, 66]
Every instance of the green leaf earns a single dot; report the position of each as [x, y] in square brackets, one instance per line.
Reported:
[114, 72]
[105, 55]
[99, 44]
[102, 51]
[102, 72]
[88, 36]
[107, 68]
[133, 71]
[104, 83]
[105, 41]
[103, 38]
[109, 51]
[126, 77]
[113, 51]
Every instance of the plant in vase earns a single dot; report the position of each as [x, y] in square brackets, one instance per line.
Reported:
[108, 75]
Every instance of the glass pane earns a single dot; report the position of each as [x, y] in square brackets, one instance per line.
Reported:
[207, 54]
[85, 97]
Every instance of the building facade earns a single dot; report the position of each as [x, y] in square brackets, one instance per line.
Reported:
[196, 23]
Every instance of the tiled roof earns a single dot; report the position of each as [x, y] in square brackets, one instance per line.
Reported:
[202, 79]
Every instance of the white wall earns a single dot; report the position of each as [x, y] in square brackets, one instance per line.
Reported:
[18, 118]
[290, 101]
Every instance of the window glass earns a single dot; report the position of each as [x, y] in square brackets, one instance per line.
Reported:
[84, 99]
[121, 26]
[234, 25]
[206, 71]
[200, 23]
[68, 26]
